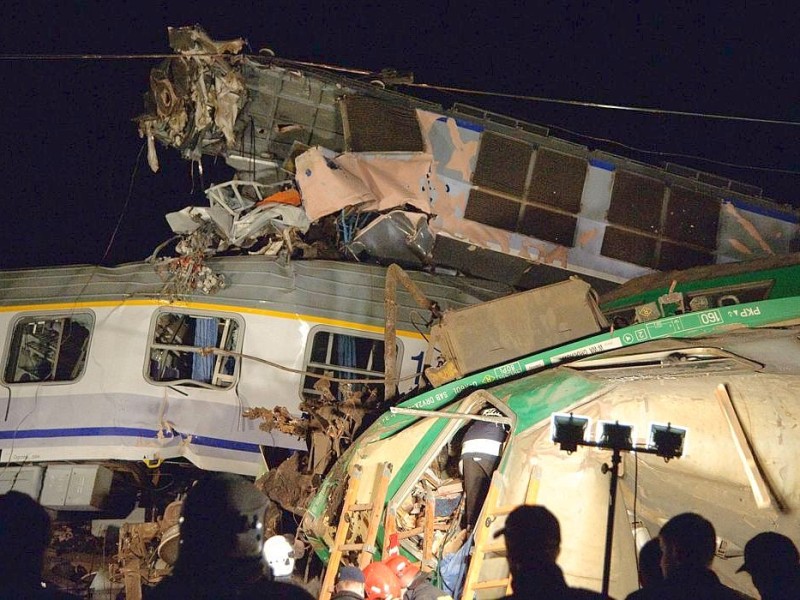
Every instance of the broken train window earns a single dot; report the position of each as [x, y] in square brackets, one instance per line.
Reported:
[48, 348]
[182, 349]
[343, 355]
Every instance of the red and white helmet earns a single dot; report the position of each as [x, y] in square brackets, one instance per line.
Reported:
[403, 568]
[380, 582]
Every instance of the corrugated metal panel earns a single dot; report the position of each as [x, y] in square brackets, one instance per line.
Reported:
[502, 164]
[557, 180]
[372, 125]
[636, 202]
[489, 209]
[548, 225]
[338, 290]
[674, 256]
[630, 247]
[692, 217]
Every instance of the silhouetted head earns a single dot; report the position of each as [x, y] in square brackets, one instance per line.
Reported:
[687, 540]
[350, 579]
[770, 558]
[533, 537]
[650, 563]
[24, 536]
[222, 520]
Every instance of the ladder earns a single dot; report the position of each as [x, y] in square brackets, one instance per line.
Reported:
[350, 511]
[486, 545]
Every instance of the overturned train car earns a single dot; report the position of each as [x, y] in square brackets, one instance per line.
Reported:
[713, 350]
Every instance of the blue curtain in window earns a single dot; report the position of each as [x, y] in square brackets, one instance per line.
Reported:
[205, 334]
[345, 357]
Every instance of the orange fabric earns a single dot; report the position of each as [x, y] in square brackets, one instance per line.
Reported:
[290, 197]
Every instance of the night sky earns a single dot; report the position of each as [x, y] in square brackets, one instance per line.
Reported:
[72, 151]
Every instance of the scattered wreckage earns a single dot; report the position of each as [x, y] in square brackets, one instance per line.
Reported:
[711, 352]
[277, 326]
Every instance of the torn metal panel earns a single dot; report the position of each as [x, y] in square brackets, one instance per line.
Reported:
[229, 99]
[242, 212]
[326, 187]
[188, 219]
[395, 180]
[263, 220]
[493, 182]
[398, 236]
[194, 40]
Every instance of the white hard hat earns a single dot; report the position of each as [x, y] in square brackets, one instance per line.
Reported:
[279, 555]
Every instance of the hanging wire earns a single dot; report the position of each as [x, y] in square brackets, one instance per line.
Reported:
[669, 154]
[586, 104]
[461, 90]
[430, 86]
[121, 217]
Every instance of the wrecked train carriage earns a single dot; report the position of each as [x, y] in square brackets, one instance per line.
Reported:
[717, 357]
[111, 364]
[489, 195]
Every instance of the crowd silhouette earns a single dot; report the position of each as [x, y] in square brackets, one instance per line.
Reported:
[222, 553]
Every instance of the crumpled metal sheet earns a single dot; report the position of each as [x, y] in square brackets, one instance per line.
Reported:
[194, 40]
[398, 236]
[396, 180]
[327, 188]
[239, 215]
[229, 99]
[194, 98]
[188, 219]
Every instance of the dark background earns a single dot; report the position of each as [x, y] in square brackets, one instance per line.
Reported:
[71, 146]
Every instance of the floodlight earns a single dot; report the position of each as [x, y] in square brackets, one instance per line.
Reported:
[569, 431]
[614, 435]
[666, 441]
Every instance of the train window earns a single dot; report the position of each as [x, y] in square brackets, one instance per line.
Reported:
[48, 348]
[182, 349]
[343, 355]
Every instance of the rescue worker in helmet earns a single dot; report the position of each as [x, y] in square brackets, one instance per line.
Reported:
[480, 454]
[380, 583]
[221, 544]
[279, 556]
[414, 583]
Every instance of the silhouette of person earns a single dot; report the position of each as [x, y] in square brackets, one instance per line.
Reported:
[533, 543]
[688, 542]
[649, 568]
[24, 536]
[349, 584]
[221, 544]
[774, 566]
